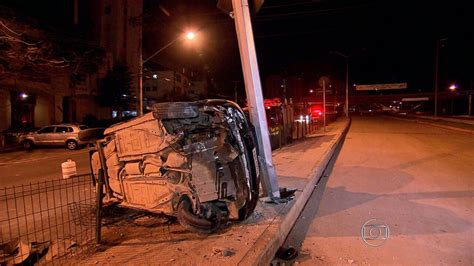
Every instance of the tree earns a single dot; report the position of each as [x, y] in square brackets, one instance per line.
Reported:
[115, 87]
[27, 49]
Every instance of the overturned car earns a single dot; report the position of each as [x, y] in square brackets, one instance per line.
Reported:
[193, 160]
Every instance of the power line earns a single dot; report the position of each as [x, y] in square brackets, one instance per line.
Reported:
[289, 5]
[310, 12]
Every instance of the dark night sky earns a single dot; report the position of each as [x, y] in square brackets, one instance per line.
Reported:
[394, 41]
[295, 37]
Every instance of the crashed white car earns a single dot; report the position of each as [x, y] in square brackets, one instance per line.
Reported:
[193, 160]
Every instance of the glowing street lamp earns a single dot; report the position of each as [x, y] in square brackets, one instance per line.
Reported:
[452, 88]
[189, 36]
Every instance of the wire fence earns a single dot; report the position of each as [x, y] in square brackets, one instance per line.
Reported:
[47, 221]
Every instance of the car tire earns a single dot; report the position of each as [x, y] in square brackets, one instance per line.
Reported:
[196, 224]
[71, 145]
[27, 144]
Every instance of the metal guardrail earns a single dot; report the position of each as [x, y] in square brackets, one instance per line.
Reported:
[45, 222]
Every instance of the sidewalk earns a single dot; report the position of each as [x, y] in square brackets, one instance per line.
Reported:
[147, 240]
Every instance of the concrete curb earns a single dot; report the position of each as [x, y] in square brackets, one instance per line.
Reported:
[416, 120]
[274, 236]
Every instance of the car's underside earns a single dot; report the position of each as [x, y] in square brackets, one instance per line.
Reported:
[193, 160]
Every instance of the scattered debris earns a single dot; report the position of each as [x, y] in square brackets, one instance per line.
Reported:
[216, 250]
[59, 248]
[286, 253]
[226, 252]
[350, 261]
[19, 252]
[287, 193]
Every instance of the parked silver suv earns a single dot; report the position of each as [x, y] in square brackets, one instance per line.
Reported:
[54, 135]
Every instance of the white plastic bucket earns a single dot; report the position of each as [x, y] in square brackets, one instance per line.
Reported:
[69, 169]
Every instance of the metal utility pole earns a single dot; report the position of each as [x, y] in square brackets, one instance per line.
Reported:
[347, 57]
[140, 89]
[76, 12]
[189, 36]
[469, 108]
[438, 41]
[346, 107]
[235, 90]
[324, 104]
[253, 90]
[436, 79]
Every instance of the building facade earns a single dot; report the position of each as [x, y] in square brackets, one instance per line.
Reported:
[167, 85]
[31, 101]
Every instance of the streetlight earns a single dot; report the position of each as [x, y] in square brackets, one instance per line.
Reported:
[452, 88]
[438, 41]
[189, 36]
[346, 107]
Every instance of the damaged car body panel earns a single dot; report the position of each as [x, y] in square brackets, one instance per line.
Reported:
[193, 160]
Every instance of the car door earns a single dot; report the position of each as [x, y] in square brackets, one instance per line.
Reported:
[45, 135]
[61, 134]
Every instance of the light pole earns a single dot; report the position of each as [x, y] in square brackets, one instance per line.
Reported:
[189, 36]
[436, 76]
[452, 88]
[347, 57]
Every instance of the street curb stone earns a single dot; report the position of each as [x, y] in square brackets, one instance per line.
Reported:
[274, 236]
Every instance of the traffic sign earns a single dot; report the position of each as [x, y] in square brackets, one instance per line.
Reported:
[375, 87]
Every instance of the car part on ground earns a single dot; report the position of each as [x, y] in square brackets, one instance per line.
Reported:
[193, 160]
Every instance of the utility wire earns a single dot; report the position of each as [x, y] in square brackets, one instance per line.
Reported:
[309, 13]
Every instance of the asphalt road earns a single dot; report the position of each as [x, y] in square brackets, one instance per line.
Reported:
[415, 178]
[21, 167]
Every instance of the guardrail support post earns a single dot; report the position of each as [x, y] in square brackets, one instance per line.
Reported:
[98, 211]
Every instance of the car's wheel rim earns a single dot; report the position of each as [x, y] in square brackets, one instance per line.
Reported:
[71, 145]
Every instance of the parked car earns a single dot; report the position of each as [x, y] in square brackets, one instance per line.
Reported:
[366, 109]
[70, 135]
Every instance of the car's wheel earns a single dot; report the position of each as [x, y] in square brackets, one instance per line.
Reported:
[192, 222]
[71, 144]
[27, 144]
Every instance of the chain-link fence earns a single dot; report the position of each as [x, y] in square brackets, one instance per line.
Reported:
[47, 221]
